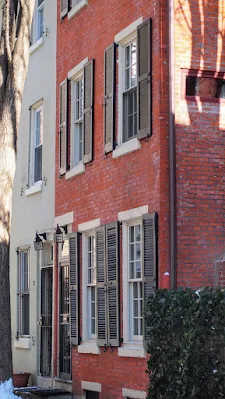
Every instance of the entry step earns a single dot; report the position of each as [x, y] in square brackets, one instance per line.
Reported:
[38, 392]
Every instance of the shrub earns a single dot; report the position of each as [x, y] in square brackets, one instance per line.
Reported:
[185, 334]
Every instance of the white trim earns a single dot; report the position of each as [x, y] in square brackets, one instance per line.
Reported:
[77, 8]
[76, 170]
[132, 213]
[133, 393]
[63, 220]
[89, 348]
[77, 69]
[123, 35]
[127, 147]
[34, 47]
[34, 189]
[131, 352]
[91, 386]
[90, 225]
[22, 343]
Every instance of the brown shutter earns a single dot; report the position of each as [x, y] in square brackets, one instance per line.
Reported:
[101, 287]
[88, 111]
[112, 262]
[63, 8]
[63, 128]
[144, 78]
[150, 272]
[109, 97]
[74, 292]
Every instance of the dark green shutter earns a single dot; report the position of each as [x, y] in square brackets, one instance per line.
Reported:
[63, 128]
[112, 261]
[149, 269]
[63, 8]
[88, 111]
[74, 284]
[101, 287]
[144, 78]
[109, 97]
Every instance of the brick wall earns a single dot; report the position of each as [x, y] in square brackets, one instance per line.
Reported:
[200, 146]
[108, 185]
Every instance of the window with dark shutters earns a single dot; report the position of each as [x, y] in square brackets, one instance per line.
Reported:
[109, 98]
[63, 8]
[107, 258]
[74, 294]
[144, 78]
[150, 272]
[88, 111]
[63, 128]
[101, 287]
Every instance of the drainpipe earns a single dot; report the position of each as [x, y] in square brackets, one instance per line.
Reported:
[172, 148]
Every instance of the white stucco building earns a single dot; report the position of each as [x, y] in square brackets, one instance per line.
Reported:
[33, 203]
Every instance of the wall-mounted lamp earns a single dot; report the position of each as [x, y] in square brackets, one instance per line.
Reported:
[59, 234]
[38, 241]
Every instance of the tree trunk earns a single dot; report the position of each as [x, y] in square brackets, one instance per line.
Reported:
[7, 171]
[14, 56]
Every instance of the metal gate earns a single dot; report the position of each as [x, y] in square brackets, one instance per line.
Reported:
[46, 322]
[64, 343]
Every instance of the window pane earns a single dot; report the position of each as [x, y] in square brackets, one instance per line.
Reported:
[127, 79]
[131, 252]
[93, 326]
[138, 251]
[127, 56]
[131, 234]
[135, 290]
[131, 270]
[135, 308]
[135, 326]
[25, 314]
[130, 104]
[133, 66]
[38, 164]
[138, 269]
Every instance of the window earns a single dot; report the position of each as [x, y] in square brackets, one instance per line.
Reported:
[23, 292]
[36, 145]
[130, 91]
[77, 122]
[38, 21]
[135, 281]
[204, 84]
[91, 286]
[92, 395]
[74, 3]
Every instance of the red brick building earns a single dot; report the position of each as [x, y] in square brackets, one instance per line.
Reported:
[139, 176]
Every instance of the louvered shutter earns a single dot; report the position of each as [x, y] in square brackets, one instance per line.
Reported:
[101, 287]
[150, 272]
[63, 8]
[144, 78]
[109, 97]
[88, 111]
[112, 262]
[74, 293]
[63, 128]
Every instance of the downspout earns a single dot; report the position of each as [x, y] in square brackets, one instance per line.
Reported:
[172, 147]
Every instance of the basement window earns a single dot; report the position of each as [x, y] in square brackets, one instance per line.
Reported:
[92, 395]
[208, 86]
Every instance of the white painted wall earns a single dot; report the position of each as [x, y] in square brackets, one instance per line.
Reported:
[34, 212]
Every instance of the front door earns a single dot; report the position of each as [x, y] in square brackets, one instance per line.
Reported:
[46, 322]
[64, 321]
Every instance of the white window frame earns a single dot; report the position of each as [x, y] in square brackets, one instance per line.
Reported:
[135, 340]
[35, 37]
[77, 7]
[21, 292]
[87, 337]
[74, 75]
[74, 120]
[39, 106]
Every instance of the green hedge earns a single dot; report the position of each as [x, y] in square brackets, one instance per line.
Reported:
[186, 343]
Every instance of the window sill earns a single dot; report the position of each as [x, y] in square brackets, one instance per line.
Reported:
[126, 148]
[77, 8]
[36, 45]
[131, 351]
[77, 170]
[133, 393]
[22, 343]
[36, 188]
[89, 348]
